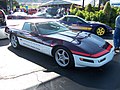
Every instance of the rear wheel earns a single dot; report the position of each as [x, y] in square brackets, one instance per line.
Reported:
[100, 31]
[14, 41]
[63, 57]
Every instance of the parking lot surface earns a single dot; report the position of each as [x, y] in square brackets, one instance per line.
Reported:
[31, 70]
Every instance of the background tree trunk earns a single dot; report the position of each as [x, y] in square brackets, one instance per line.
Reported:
[83, 4]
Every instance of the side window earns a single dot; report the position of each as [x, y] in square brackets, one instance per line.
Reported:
[33, 28]
[74, 20]
[27, 26]
[79, 20]
[65, 19]
[71, 19]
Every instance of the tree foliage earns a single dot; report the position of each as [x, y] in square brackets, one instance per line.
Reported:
[89, 8]
[107, 11]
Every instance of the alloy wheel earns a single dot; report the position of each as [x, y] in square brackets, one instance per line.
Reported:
[14, 41]
[100, 31]
[62, 57]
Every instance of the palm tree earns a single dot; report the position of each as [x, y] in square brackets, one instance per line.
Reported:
[102, 2]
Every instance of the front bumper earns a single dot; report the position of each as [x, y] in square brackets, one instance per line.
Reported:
[93, 62]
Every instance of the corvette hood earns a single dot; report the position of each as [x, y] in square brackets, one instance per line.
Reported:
[92, 44]
[66, 36]
[88, 42]
[96, 23]
[80, 36]
[93, 22]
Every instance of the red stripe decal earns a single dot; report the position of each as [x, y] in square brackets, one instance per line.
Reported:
[81, 53]
[100, 53]
[94, 55]
[109, 47]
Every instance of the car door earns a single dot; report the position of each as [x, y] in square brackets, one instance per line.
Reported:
[77, 24]
[29, 37]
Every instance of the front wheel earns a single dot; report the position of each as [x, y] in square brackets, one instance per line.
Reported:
[63, 57]
[14, 41]
[100, 31]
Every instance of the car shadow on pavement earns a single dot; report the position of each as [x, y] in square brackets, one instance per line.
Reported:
[106, 77]
[4, 42]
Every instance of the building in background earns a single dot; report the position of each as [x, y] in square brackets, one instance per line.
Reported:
[115, 3]
[32, 1]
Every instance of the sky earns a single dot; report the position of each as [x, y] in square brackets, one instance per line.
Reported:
[72, 1]
[39, 1]
[86, 2]
[115, 1]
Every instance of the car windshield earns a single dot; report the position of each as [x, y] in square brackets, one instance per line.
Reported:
[50, 27]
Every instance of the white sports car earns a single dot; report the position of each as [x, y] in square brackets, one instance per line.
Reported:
[79, 49]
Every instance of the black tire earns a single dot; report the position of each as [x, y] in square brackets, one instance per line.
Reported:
[63, 57]
[14, 41]
[100, 31]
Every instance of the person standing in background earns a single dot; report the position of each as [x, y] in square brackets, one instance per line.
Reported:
[116, 35]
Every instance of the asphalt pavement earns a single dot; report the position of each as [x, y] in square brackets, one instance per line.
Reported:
[25, 69]
[31, 70]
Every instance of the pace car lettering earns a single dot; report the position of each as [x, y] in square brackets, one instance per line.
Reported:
[80, 28]
[31, 46]
[35, 46]
[40, 41]
[85, 28]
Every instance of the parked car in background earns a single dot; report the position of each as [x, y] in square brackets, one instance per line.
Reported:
[43, 15]
[18, 15]
[23, 15]
[69, 49]
[32, 11]
[79, 24]
[2, 24]
[52, 11]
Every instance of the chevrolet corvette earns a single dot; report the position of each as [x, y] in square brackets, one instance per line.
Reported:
[69, 49]
[79, 24]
